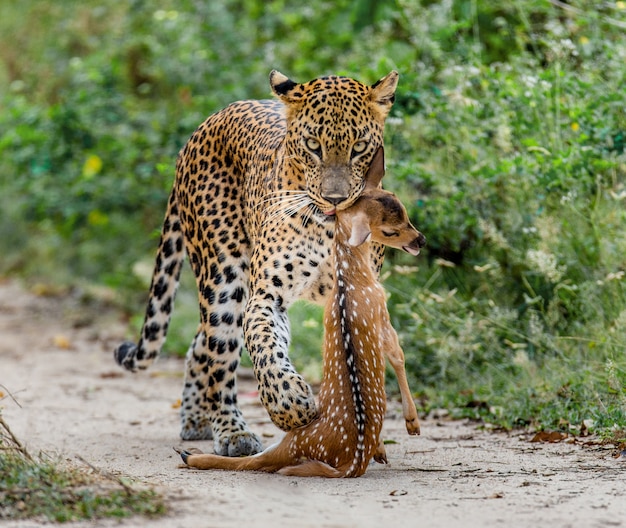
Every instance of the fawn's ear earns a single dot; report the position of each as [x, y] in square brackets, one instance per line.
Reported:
[377, 169]
[284, 88]
[383, 92]
[361, 231]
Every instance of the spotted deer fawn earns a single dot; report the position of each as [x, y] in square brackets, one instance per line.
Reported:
[345, 436]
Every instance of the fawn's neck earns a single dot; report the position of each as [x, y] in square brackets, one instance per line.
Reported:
[352, 264]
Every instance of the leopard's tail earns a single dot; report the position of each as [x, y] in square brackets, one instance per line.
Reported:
[169, 261]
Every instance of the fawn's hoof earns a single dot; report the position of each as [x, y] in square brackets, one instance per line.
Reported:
[413, 426]
[186, 453]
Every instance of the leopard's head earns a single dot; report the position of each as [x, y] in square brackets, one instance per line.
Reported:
[334, 128]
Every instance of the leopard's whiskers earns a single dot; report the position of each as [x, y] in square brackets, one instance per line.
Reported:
[286, 206]
[278, 196]
[308, 214]
[285, 213]
[281, 198]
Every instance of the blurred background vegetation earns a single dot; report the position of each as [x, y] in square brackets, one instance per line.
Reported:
[506, 143]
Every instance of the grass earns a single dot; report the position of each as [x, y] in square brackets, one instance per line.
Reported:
[44, 488]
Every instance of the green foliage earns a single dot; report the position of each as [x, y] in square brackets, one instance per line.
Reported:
[506, 143]
[44, 489]
[517, 174]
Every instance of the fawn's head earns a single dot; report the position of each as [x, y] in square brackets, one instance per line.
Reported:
[378, 215]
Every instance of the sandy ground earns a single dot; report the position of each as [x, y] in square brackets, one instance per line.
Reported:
[73, 400]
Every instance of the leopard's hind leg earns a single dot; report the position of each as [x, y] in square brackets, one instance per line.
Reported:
[218, 251]
[209, 405]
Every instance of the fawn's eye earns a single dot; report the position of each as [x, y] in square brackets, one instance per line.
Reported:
[312, 144]
[390, 234]
[359, 147]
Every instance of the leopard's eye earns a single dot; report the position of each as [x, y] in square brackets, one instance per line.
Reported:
[312, 144]
[359, 147]
[390, 234]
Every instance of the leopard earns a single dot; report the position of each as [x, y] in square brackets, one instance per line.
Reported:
[252, 208]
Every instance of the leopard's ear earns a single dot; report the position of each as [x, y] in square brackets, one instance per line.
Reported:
[284, 88]
[383, 92]
[361, 231]
[377, 169]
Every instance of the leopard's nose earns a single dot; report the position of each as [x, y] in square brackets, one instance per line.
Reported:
[335, 199]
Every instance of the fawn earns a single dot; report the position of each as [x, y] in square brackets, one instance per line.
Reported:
[346, 433]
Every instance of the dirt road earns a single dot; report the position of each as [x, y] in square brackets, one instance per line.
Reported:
[75, 401]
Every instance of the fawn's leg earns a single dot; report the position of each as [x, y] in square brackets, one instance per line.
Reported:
[311, 468]
[396, 357]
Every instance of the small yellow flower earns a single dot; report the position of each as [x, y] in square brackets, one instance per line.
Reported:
[92, 166]
[97, 218]
[583, 40]
[575, 127]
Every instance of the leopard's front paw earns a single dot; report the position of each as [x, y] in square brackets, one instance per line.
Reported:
[241, 443]
[289, 401]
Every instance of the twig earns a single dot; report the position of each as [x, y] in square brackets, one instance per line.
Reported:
[10, 394]
[18, 445]
[107, 475]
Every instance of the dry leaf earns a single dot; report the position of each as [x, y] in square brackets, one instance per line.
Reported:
[111, 375]
[398, 493]
[45, 290]
[549, 436]
[177, 404]
[586, 426]
[61, 341]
